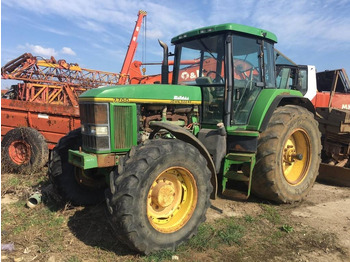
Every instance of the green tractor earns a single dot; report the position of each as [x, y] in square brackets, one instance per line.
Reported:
[156, 152]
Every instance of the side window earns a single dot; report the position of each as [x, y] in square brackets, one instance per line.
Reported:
[283, 78]
[269, 65]
[302, 78]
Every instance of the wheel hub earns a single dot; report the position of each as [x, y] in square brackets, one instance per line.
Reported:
[163, 194]
[290, 155]
[171, 199]
[19, 152]
[296, 157]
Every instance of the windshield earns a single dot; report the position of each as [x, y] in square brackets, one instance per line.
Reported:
[199, 58]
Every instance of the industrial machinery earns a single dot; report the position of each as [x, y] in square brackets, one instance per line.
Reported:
[164, 149]
[37, 112]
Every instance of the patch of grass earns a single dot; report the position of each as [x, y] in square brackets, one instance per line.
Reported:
[249, 219]
[159, 256]
[232, 232]
[223, 232]
[271, 214]
[13, 182]
[73, 259]
[41, 220]
[275, 237]
[205, 239]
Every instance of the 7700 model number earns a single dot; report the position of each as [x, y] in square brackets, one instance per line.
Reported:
[122, 100]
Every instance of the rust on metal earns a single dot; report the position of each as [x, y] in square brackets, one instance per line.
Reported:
[106, 160]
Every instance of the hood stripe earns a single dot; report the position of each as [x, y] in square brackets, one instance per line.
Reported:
[137, 100]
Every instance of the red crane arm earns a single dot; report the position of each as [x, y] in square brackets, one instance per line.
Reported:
[132, 47]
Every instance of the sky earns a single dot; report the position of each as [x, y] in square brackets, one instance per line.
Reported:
[96, 34]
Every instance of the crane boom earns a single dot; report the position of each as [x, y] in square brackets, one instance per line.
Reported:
[132, 48]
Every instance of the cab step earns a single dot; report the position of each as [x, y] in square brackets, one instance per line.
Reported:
[232, 161]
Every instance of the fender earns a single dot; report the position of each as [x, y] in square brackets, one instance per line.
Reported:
[184, 135]
[269, 100]
[285, 100]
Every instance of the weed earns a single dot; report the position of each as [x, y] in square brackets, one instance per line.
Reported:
[231, 233]
[231, 236]
[271, 214]
[287, 228]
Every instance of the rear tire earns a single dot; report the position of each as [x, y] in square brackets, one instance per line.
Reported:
[288, 157]
[24, 150]
[159, 195]
[63, 174]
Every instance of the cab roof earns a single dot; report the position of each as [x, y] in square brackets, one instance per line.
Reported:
[225, 27]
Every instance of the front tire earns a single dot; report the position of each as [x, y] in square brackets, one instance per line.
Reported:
[160, 195]
[288, 156]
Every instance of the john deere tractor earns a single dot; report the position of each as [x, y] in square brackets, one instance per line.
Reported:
[158, 152]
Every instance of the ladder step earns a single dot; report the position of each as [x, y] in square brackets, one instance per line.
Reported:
[233, 159]
[240, 157]
[237, 176]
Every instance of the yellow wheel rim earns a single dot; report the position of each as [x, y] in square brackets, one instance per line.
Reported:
[171, 199]
[296, 157]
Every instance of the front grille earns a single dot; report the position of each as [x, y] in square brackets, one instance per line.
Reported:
[123, 127]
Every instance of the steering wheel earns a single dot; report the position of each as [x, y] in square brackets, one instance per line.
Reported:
[217, 76]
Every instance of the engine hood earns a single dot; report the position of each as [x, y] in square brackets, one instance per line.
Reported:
[153, 94]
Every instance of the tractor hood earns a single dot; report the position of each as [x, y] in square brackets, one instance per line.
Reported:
[150, 94]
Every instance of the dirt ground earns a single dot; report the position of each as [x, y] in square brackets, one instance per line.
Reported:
[83, 234]
[326, 208]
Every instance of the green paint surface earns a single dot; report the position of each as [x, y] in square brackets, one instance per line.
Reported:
[226, 27]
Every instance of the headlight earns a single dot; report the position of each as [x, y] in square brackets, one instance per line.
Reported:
[94, 119]
[99, 130]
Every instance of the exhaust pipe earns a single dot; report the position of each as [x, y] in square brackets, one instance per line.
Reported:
[165, 64]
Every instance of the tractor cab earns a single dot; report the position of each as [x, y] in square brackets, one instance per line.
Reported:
[231, 63]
